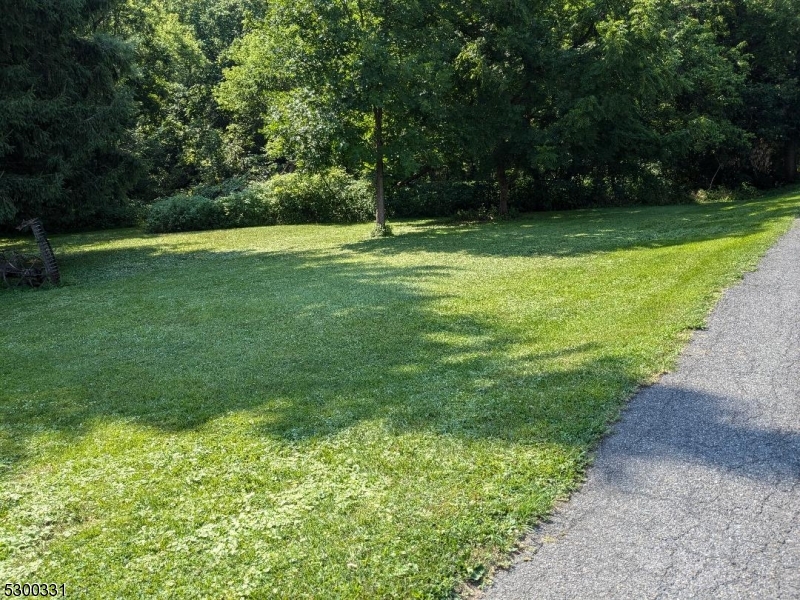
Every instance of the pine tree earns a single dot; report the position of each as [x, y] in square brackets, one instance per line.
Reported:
[63, 114]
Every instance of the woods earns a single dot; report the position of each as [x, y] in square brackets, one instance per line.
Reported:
[108, 106]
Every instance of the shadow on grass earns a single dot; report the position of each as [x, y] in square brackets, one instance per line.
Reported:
[588, 231]
[307, 345]
[311, 343]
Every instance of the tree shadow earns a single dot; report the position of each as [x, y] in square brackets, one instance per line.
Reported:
[676, 424]
[588, 231]
[311, 342]
[307, 343]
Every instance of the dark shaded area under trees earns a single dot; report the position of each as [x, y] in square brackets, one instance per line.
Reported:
[469, 106]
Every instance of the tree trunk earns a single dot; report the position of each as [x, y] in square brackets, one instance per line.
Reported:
[790, 161]
[380, 207]
[502, 181]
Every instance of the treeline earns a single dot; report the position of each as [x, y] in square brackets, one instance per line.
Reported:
[449, 105]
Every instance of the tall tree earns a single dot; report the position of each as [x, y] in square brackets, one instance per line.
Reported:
[500, 99]
[698, 121]
[63, 114]
[612, 70]
[644, 96]
[347, 82]
[770, 33]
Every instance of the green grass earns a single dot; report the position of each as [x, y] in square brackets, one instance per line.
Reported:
[300, 412]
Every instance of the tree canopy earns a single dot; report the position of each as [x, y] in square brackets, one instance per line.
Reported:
[345, 82]
[65, 113]
[551, 103]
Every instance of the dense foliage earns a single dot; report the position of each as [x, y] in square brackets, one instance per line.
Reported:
[64, 114]
[543, 103]
[326, 197]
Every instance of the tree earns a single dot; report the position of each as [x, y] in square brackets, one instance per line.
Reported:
[698, 121]
[770, 33]
[501, 93]
[64, 114]
[612, 70]
[179, 48]
[644, 97]
[348, 82]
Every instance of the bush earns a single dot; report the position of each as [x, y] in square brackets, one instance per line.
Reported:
[224, 188]
[484, 213]
[248, 208]
[185, 213]
[380, 231]
[581, 191]
[477, 200]
[332, 197]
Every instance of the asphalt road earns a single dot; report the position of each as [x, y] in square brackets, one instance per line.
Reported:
[696, 494]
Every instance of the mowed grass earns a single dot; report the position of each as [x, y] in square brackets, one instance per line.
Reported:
[303, 412]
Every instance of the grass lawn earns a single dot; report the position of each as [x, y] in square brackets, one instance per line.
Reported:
[304, 412]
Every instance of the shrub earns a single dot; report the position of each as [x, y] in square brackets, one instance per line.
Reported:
[224, 188]
[185, 213]
[247, 208]
[380, 231]
[442, 198]
[551, 193]
[332, 197]
[477, 200]
[484, 213]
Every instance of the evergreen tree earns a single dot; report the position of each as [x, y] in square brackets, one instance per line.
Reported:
[64, 112]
